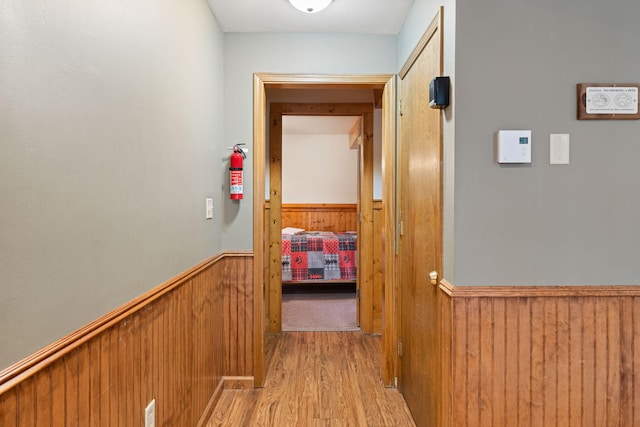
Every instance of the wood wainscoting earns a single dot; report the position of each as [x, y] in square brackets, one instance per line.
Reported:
[320, 216]
[540, 356]
[174, 344]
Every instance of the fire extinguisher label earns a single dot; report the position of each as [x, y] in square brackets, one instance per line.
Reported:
[236, 182]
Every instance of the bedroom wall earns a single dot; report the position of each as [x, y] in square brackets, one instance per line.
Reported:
[111, 128]
[248, 53]
[319, 169]
[517, 65]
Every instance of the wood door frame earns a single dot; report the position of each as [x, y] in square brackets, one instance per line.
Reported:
[273, 294]
[384, 83]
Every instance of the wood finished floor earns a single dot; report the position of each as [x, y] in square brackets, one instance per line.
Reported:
[317, 379]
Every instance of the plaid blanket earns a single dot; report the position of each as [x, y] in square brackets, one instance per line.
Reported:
[319, 256]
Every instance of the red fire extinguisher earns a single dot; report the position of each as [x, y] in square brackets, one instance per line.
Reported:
[235, 173]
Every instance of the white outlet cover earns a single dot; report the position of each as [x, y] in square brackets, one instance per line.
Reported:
[150, 414]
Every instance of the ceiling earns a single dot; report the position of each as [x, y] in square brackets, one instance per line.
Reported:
[342, 16]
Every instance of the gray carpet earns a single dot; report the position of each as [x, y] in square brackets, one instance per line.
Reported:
[319, 312]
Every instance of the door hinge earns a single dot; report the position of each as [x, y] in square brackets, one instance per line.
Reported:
[395, 382]
[400, 348]
[357, 293]
[401, 228]
[400, 110]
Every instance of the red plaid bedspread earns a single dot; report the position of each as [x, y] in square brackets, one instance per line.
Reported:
[319, 256]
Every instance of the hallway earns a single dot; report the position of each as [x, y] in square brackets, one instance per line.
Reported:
[317, 379]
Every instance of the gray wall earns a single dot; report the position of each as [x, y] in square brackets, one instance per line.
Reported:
[110, 135]
[517, 65]
[249, 53]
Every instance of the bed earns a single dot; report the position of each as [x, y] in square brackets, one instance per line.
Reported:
[318, 256]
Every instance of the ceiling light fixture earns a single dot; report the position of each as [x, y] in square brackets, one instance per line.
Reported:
[310, 6]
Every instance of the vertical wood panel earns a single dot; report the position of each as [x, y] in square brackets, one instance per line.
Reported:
[58, 394]
[614, 363]
[446, 345]
[8, 408]
[537, 362]
[636, 360]
[576, 361]
[460, 330]
[549, 392]
[588, 360]
[626, 360]
[42, 400]
[26, 404]
[544, 360]
[523, 338]
[473, 340]
[601, 368]
[563, 370]
[95, 390]
[499, 361]
[485, 362]
[169, 349]
[512, 355]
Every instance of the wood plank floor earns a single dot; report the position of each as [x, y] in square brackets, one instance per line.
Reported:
[317, 379]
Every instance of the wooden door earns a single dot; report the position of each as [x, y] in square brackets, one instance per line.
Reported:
[420, 240]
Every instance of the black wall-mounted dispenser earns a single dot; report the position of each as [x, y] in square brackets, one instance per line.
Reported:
[439, 92]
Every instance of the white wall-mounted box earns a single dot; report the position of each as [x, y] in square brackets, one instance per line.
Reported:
[513, 146]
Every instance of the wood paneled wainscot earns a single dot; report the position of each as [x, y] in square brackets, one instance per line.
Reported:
[176, 344]
[320, 216]
[541, 356]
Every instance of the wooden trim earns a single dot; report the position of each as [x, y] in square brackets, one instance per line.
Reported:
[386, 83]
[323, 81]
[274, 238]
[55, 351]
[321, 109]
[365, 231]
[238, 382]
[259, 248]
[389, 235]
[320, 207]
[215, 398]
[365, 200]
[355, 134]
[537, 291]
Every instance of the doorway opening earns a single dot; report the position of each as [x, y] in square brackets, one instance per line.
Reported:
[267, 251]
[319, 170]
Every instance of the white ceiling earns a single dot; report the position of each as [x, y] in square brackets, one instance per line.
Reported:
[342, 16]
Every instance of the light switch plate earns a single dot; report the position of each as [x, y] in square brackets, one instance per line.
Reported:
[209, 211]
[559, 148]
